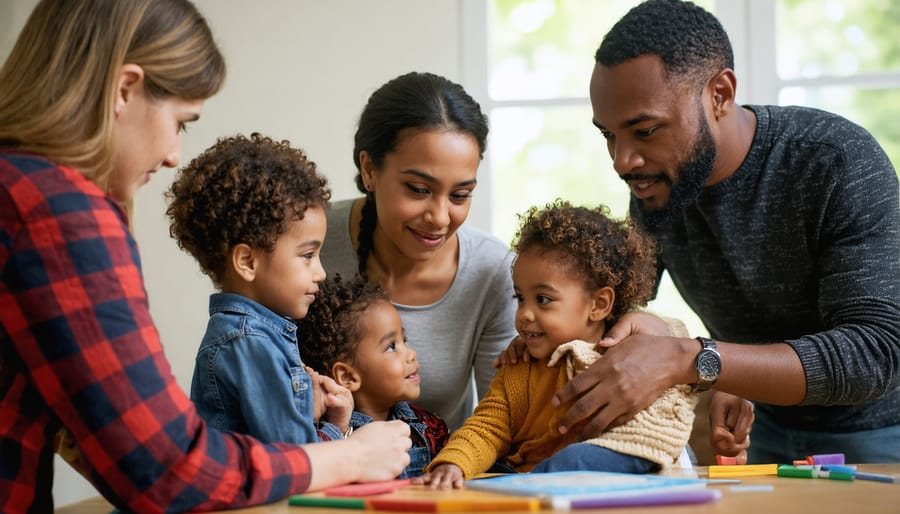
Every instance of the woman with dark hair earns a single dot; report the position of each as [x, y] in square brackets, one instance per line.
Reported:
[417, 149]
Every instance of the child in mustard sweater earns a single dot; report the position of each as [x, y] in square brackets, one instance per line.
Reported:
[576, 272]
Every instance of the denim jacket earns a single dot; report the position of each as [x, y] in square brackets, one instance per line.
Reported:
[428, 432]
[248, 377]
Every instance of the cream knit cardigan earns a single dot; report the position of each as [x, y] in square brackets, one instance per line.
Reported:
[658, 433]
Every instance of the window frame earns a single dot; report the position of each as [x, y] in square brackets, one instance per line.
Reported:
[751, 28]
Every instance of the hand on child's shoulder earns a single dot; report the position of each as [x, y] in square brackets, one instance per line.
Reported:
[515, 352]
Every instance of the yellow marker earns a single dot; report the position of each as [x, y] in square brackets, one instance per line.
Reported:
[745, 470]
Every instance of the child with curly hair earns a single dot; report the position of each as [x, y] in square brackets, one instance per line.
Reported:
[577, 271]
[354, 334]
[252, 212]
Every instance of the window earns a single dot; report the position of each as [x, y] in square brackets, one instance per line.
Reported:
[842, 56]
[529, 64]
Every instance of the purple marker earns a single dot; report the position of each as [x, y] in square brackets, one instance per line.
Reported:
[828, 458]
[681, 497]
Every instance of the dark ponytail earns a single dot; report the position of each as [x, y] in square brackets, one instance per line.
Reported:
[367, 221]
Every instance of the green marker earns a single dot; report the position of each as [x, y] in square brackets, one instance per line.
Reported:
[795, 472]
[332, 502]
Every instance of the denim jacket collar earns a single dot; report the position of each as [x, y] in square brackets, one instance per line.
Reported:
[231, 302]
[401, 411]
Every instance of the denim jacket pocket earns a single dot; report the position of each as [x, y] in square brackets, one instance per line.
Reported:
[301, 383]
[419, 457]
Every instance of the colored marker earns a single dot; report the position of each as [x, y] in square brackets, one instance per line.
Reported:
[744, 470]
[838, 467]
[398, 504]
[836, 475]
[878, 477]
[367, 488]
[687, 496]
[786, 470]
[807, 471]
[332, 502]
[826, 458]
[722, 460]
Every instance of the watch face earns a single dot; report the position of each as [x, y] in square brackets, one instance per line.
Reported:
[708, 365]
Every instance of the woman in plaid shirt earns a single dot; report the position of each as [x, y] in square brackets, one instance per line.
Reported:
[93, 99]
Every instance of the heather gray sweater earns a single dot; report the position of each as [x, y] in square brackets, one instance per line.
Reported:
[802, 244]
[458, 336]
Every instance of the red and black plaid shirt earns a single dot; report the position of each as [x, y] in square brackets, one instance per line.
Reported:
[79, 352]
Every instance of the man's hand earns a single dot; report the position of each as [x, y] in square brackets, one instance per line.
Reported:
[634, 323]
[730, 420]
[636, 368]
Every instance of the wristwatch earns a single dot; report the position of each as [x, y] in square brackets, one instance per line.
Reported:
[708, 364]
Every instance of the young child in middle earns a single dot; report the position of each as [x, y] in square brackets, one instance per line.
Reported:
[252, 212]
[354, 334]
[576, 272]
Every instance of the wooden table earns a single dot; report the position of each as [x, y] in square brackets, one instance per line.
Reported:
[754, 495]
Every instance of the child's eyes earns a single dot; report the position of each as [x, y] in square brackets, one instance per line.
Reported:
[392, 347]
[541, 299]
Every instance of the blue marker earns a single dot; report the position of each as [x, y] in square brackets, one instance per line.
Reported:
[878, 477]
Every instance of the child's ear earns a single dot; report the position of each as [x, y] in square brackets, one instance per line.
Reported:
[346, 375]
[243, 261]
[602, 303]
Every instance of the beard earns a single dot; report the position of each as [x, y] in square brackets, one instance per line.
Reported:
[690, 178]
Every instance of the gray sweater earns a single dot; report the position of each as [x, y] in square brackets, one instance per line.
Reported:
[460, 333]
[802, 244]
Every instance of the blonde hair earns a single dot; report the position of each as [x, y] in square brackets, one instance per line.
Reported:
[58, 85]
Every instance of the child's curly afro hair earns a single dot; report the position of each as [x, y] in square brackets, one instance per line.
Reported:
[241, 190]
[332, 328]
[601, 250]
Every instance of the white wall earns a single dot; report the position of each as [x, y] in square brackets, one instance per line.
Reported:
[297, 70]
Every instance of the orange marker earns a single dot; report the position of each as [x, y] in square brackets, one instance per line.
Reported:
[722, 460]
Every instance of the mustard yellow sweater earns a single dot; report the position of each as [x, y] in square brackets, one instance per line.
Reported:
[517, 422]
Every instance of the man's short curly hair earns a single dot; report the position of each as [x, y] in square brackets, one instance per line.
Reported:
[241, 190]
[599, 249]
[332, 328]
[689, 40]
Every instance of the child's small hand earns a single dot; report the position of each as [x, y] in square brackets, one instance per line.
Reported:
[338, 403]
[319, 394]
[730, 420]
[445, 476]
[516, 351]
